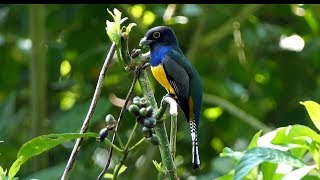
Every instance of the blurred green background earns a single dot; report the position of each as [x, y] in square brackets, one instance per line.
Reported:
[256, 63]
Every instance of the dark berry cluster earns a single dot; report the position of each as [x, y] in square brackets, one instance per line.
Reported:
[141, 108]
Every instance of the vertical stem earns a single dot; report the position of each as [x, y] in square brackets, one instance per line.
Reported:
[173, 135]
[38, 79]
[160, 130]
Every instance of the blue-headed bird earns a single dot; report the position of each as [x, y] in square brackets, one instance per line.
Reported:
[174, 72]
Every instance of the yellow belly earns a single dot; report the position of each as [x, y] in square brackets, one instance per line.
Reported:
[160, 75]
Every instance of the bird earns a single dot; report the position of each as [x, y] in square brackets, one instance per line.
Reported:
[175, 73]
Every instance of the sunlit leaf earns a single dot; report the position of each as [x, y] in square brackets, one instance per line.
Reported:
[313, 109]
[254, 141]
[258, 155]
[122, 169]
[294, 138]
[41, 144]
[129, 27]
[157, 165]
[108, 175]
[268, 170]
[298, 173]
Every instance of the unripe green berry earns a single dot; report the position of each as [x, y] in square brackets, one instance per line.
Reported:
[143, 112]
[143, 102]
[134, 109]
[136, 100]
[110, 119]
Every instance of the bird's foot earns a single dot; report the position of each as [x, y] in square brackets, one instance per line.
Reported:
[163, 103]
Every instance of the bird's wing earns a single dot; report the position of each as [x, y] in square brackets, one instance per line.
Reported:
[179, 80]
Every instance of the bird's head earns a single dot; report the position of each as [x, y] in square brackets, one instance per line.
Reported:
[159, 36]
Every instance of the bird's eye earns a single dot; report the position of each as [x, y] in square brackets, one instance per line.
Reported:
[156, 35]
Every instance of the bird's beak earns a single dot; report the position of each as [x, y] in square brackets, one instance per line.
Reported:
[144, 41]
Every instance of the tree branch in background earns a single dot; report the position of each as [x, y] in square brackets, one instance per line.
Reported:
[38, 80]
[234, 110]
[213, 37]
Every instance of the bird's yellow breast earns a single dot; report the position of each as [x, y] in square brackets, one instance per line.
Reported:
[160, 75]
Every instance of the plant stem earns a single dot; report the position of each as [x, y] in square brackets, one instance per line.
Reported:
[125, 152]
[137, 144]
[93, 104]
[160, 130]
[173, 135]
[38, 78]
[112, 145]
[136, 74]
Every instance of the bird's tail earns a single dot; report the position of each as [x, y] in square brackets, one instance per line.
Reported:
[195, 150]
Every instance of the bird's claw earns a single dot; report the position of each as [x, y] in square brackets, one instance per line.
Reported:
[163, 103]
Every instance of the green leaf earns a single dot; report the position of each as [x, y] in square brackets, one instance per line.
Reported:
[313, 109]
[157, 165]
[268, 170]
[108, 175]
[298, 173]
[2, 173]
[254, 141]
[41, 144]
[258, 155]
[294, 138]
[122, 169]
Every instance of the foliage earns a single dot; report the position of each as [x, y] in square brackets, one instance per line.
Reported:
[279, 150]
[235, 49]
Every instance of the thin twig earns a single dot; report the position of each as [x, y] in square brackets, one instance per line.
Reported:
[137, 144]
[234, 110]
[135, 77]
[93, 104]
[125, 152]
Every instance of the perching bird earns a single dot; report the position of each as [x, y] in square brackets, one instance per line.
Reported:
[175, 73]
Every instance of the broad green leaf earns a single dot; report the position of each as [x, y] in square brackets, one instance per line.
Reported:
[313, 109]
[298, 173]
[294, 138]
[268, 170]
[254, 141]
[258, 155]
[41, 144]
[290, 134]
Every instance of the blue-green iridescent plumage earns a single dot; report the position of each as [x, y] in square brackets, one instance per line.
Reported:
[182, 76]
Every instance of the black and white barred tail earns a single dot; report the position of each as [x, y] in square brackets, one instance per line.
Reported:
[195, 150]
